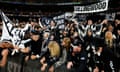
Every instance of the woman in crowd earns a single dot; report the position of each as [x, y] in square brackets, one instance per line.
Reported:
[50, 57]
[89, 44]
[104, 28]
[4, 45]
[108, 53]
[109, 40]
[76, 39]
[52, 26]
[99, 65]
[64, 49]
[110, 28]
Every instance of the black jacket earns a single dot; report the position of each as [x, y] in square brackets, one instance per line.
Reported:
[35, 46]
[79, 60]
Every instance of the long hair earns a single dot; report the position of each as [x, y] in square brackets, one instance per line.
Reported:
[54, 48]
[109, 37]
[67, 42]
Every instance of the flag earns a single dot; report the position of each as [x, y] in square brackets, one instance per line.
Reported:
[96, 7]
[12, 33]
[7, 26]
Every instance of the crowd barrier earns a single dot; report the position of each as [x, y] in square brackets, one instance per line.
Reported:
[16, 64]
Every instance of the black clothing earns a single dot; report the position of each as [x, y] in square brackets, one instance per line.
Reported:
[108, 57]
[89, 45]
[118, 50]
[0, 53]
[76, 41]
[35, 46]
[89, 40]
[49, 59]
[118, 45]
[78, 59]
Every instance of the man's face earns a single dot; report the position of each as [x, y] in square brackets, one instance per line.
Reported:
[35, 37]
[52, 23]
[90, 22]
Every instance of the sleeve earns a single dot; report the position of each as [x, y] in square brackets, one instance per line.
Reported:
[28, 45]
[63, 57]
[83, 62]
[69, 54]
[44, 53]
[99, 63]
[51, 60]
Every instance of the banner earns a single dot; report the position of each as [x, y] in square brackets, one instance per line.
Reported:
[97, 7]
[81, 18]
[59, 19]
[69, 15]
[9, 32]
[110, 16]
[45, 21]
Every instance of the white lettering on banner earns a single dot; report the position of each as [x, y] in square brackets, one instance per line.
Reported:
[98, 7]
[59, 19]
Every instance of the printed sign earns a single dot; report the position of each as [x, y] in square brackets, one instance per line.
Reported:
[97, 7]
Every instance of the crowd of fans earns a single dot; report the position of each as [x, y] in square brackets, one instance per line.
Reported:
[81, 47]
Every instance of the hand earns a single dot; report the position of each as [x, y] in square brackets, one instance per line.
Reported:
[96, 69]
[99, 51]
[77, 49]
[104, 21]
[69, 65]
[104, 29]
[33, 57]
[43, 67]
[26, 58]
[39, 18]
[75, 21]
[16, 47]
[42, 60]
